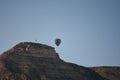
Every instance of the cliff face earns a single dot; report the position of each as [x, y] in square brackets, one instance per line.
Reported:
[34, 61]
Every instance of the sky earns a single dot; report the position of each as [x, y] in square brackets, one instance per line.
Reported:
[89, 29]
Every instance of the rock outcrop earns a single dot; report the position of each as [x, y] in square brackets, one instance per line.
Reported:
[35, 61]
[33, 49]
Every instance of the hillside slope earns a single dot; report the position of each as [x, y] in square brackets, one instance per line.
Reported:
[112, 73]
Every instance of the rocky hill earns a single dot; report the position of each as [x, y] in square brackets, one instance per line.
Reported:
[35, 61]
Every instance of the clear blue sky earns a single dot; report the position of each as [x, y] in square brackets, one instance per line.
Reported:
[89, 29]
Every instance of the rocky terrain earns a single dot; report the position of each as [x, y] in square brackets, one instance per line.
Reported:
[35, 61]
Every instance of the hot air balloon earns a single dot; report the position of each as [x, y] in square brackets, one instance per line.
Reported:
[57, 41]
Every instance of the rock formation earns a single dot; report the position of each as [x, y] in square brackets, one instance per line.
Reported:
[35, 61]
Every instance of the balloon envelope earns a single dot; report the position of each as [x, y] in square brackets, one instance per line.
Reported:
[57, 42]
